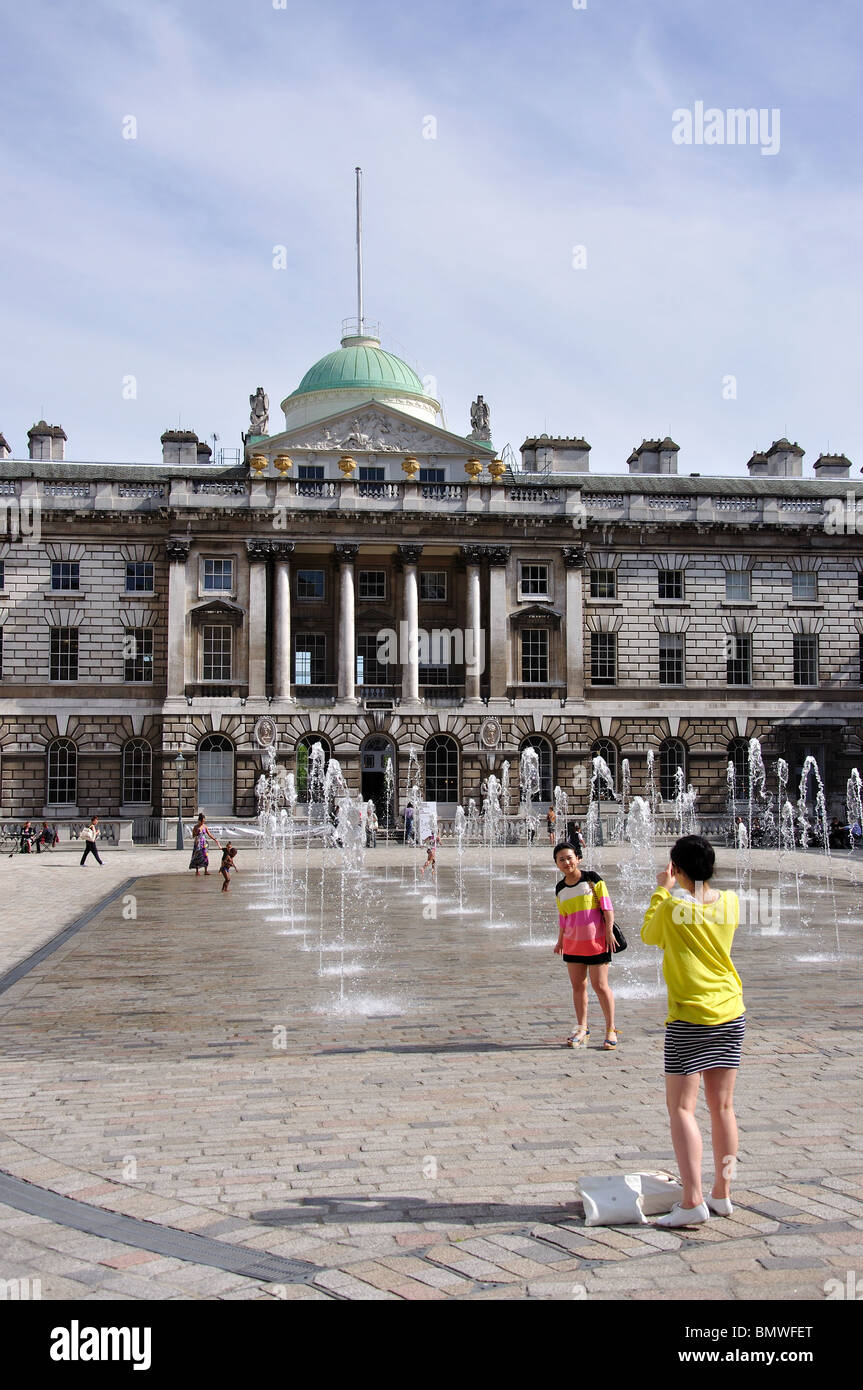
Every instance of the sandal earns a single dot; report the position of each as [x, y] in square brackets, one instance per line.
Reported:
[608, 1045]
[578, 1037]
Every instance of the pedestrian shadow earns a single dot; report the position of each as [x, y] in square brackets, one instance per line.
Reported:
[350, 1208]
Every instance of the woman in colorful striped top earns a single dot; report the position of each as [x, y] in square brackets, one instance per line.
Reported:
[586, 941]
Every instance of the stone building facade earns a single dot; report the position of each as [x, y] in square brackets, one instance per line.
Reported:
[370, 580]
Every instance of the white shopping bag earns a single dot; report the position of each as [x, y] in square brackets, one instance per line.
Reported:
[627, 1200]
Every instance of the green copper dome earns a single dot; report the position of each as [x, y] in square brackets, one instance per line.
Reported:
[360, 364]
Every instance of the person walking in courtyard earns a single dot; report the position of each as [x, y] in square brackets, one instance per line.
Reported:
[585, 940]
[229, 854]
[200, 858]
[705, 1024]
[550, 824]
[90, 836]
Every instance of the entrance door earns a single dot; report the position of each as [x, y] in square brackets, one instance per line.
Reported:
[373, 760]
[216, 775]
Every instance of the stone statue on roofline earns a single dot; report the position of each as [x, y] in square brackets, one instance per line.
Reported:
[260, 417]
[480, 419]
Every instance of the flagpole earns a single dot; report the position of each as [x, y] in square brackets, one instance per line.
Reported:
[359, 174]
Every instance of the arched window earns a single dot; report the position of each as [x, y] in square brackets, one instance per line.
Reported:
[305, 763]
[606, 749]
[672, 755]
[62, 773]
[441, 759]
[137, 772]
[738, 755]
[216, 774]
[545, 753]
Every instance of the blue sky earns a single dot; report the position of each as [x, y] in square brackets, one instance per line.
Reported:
[153, 257]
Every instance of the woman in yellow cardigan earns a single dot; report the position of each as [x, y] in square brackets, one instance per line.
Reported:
[705, 1024]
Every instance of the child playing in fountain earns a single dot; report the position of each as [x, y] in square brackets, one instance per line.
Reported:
[229, 854]
[585, 940]
[431, 843]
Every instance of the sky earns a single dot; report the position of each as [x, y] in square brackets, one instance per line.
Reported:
[716, 296]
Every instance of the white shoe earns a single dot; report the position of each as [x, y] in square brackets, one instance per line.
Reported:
[685, 1216]
[720, 1206]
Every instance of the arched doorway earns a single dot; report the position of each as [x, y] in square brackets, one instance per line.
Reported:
[216, 775]
[374, 754]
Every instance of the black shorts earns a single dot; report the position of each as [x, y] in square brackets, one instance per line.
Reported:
[604, 959]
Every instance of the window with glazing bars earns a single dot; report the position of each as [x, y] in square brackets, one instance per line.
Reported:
[139, 576]
[603, 658]
[65, 574]
[310, 658]
[218, 644]
[138, 654]
[671, 658]
[805, 660]
[534, 656]
[738, 661]
[64, 654]
[671, 583]
[370, 671]
[603, 584]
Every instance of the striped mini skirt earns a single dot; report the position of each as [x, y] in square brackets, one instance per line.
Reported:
[691, 1047]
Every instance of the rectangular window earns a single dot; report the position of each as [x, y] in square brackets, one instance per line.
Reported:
[738, 586]
[533, 581]
[805, 660]
[370, 671]
[218, 576]
[218, 645]
[139, 576]
[310, 584]
[671, 658]
[64, 654]
[2, 574]
[433, 586]
[860, 651]
[671, 583]
[138, 654]
[603, 584]
[603, 657]
[1, 653]
[434, 675]
[432, 475]
[65, 574]
[371, 474]
[738, 661]
[372, 584]
[310, 472]
[860, 587]
[310, 658]
[534, 656]
[804, 586]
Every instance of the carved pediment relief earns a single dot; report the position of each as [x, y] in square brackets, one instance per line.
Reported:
[374, 430]
[217, 611]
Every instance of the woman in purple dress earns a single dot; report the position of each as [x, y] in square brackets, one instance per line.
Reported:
[200, 859]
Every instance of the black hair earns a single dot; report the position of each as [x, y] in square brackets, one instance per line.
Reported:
[695, 856]
[565, 844]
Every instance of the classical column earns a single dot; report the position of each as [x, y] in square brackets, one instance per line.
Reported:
[474, 648]
[282, 552]
[346, 553]
[499, 656]
[573, 559]
[256, 629]
[409, 634]
[177, 552]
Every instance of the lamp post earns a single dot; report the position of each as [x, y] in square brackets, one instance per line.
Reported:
[179, 764]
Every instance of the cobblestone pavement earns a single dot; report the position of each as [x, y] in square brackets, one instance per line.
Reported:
[416, 1130]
